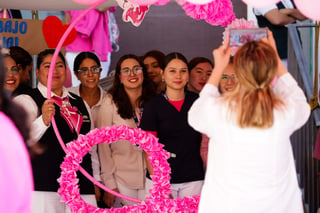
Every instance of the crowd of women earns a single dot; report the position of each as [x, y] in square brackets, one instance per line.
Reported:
[247, 119]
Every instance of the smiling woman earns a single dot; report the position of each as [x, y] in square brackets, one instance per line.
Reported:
[122, 163]
[15, 170]
[228, 79]
[72, 118]
[87, 69]
[165, 116]
[13, 77]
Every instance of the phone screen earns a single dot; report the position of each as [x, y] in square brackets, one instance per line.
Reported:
[238, 37]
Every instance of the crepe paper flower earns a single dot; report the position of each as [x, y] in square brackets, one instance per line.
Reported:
[158, 200]
[217, 12]
[223, 14]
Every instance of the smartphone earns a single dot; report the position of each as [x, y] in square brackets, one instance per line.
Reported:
[238, 37]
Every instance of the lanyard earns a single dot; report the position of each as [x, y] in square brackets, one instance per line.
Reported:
[164, 94]
[135, 117]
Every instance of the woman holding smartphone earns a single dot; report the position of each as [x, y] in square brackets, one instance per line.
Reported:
[250, 163]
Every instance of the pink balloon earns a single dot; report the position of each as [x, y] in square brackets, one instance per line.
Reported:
[260, 3]
[142, 2]
[199, 1]
[309, 8]
[85, 2]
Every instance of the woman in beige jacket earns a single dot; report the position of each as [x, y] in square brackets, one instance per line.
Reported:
[122, 164]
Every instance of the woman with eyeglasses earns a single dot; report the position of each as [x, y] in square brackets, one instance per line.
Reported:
[229, 78]
[87, 69]
[122, 164]
[165, 116]
[72, 118]
[12, 80]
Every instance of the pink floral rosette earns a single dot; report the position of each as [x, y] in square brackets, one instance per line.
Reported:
[216, 12]
[158, 201]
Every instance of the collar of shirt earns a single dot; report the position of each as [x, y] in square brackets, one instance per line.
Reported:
[43, 91]
[76, 90]
[287, 3]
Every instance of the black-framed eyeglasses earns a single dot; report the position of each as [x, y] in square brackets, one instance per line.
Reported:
[225, 77]
[14, 70]
[134, 70]
[85, 70]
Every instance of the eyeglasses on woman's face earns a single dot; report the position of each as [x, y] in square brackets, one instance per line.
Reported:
[14, 70]
[226, 77]
[85, 70]
[135, 70]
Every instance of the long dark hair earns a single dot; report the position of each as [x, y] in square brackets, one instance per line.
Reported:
[15, 112]
[120, 96]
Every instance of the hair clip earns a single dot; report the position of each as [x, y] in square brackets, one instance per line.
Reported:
[4, 51]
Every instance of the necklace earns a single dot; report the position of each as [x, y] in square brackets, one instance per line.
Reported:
[167, 98]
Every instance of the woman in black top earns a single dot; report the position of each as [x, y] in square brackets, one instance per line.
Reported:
[41, 110]
[166, 117]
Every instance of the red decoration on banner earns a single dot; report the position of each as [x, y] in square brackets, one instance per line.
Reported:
[53, 29]
[135, 14]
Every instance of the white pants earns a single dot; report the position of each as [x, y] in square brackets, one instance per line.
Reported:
[180, 189]
[134, 193]
[50, 202]
[70, 56]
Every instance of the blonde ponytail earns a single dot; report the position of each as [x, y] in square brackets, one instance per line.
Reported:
[255, 64]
